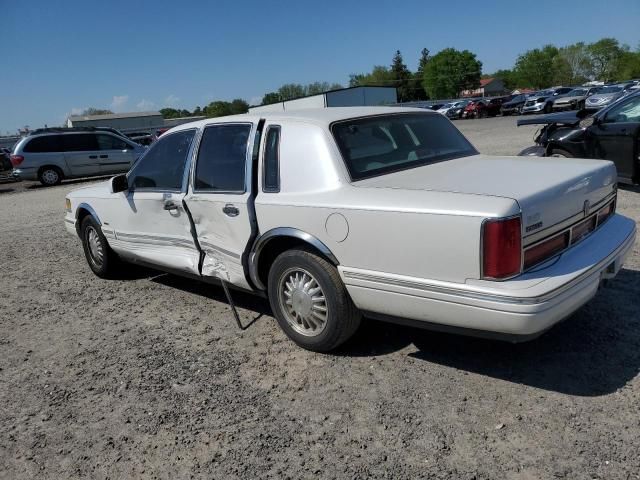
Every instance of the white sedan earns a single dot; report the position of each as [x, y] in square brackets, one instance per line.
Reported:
[338, 212]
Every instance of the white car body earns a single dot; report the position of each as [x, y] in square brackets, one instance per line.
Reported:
[407, 245]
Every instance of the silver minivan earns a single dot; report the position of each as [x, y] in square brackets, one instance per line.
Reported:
[53, 155]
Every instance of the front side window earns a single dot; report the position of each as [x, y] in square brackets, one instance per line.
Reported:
[109, 142]
[271, 163]
[46, 143]
[383, 144]
[222, 158]
[162, 167]
[79, 142]
[625, 112]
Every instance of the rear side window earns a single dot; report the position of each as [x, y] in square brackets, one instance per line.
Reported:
[109, 142]
[163, 166]
[271, 164]
[373, 146]
[46, 143]
[79, 142]
[222, 158]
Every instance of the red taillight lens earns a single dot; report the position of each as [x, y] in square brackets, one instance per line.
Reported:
[501, 248]
[16, 160]
[545, 250]
[582, 229]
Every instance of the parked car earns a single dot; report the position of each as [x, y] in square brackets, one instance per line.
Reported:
[575, 99]
[542, 101]
[605, 96]
[514, 105]
[612, 133]
[6, 168]
[482, 108]
[393, 214]
[455, 110]
[444, 109]
[51, 155]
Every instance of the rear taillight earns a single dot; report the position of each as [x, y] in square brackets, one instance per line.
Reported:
[16, 160]
[501, 248]
[545, 250]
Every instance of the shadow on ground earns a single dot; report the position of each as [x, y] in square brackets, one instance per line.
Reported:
[592, 353]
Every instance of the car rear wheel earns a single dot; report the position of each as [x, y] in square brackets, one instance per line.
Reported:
[101, 259]
[50, 176]
[310, 302]
[559, 152]
[548, 108]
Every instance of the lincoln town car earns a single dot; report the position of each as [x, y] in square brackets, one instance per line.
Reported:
[339, 214]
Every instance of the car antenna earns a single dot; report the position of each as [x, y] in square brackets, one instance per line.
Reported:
[232, 305]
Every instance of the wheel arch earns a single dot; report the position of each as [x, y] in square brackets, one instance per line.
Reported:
[272, 243]
[83, 210]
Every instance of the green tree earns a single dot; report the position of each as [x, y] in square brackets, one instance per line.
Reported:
[238, 106]
[96, 111]
[450, 71]
[507, 76]
[417, 89]
[605, 56]
[271, 97]
[170, 113]
[197, 112]
[401, 77]
[217, 108]
[628, 66]
[534, 68]
[572, 65]
[379, 76]
[291, 90]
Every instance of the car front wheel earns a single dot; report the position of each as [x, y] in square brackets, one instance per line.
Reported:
[101, 259]
[558, 152]
[310, 302]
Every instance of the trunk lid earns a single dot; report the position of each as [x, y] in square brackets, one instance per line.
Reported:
[549, 190]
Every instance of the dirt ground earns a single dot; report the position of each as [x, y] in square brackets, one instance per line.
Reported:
[149, 377]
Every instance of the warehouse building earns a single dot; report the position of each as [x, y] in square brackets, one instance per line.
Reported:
[344, 97]
[120, 121]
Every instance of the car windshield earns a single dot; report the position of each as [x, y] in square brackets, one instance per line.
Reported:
[578, 92]
[378, 145]
[611, 89]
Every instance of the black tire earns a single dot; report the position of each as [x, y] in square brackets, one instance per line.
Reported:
[50, 176]
[341, 317]
[559, 152]
[483, 114]
[106, 264]
[548, 108]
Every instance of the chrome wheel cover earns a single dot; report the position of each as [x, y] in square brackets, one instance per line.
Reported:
[50, 177]
[303, 302]
[96, 250]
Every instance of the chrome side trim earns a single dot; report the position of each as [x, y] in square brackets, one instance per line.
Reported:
[265, 238]
[475, 295]
[211, 246]
[88, 208]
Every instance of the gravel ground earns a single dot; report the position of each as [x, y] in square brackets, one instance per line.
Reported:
[150, 378]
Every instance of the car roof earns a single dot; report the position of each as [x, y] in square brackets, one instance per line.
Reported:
[319, 116]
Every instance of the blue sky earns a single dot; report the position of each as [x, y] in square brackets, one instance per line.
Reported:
[61, 57]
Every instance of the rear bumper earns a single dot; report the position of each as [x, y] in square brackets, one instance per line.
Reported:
[26, 173]
[519, 309]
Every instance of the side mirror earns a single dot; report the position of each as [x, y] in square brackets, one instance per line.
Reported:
[587, 122]
[119, 183]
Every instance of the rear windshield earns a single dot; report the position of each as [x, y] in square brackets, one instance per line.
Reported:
[374, 146]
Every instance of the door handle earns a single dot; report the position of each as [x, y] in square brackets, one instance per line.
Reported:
[230, 210]
[170, 205]
[93, 156]
[104, 156]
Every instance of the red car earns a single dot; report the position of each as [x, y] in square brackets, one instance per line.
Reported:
[483, 107]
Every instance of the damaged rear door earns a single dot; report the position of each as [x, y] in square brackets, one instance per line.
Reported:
[219, 199]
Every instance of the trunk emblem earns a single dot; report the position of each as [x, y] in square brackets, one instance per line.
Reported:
[586, 207]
